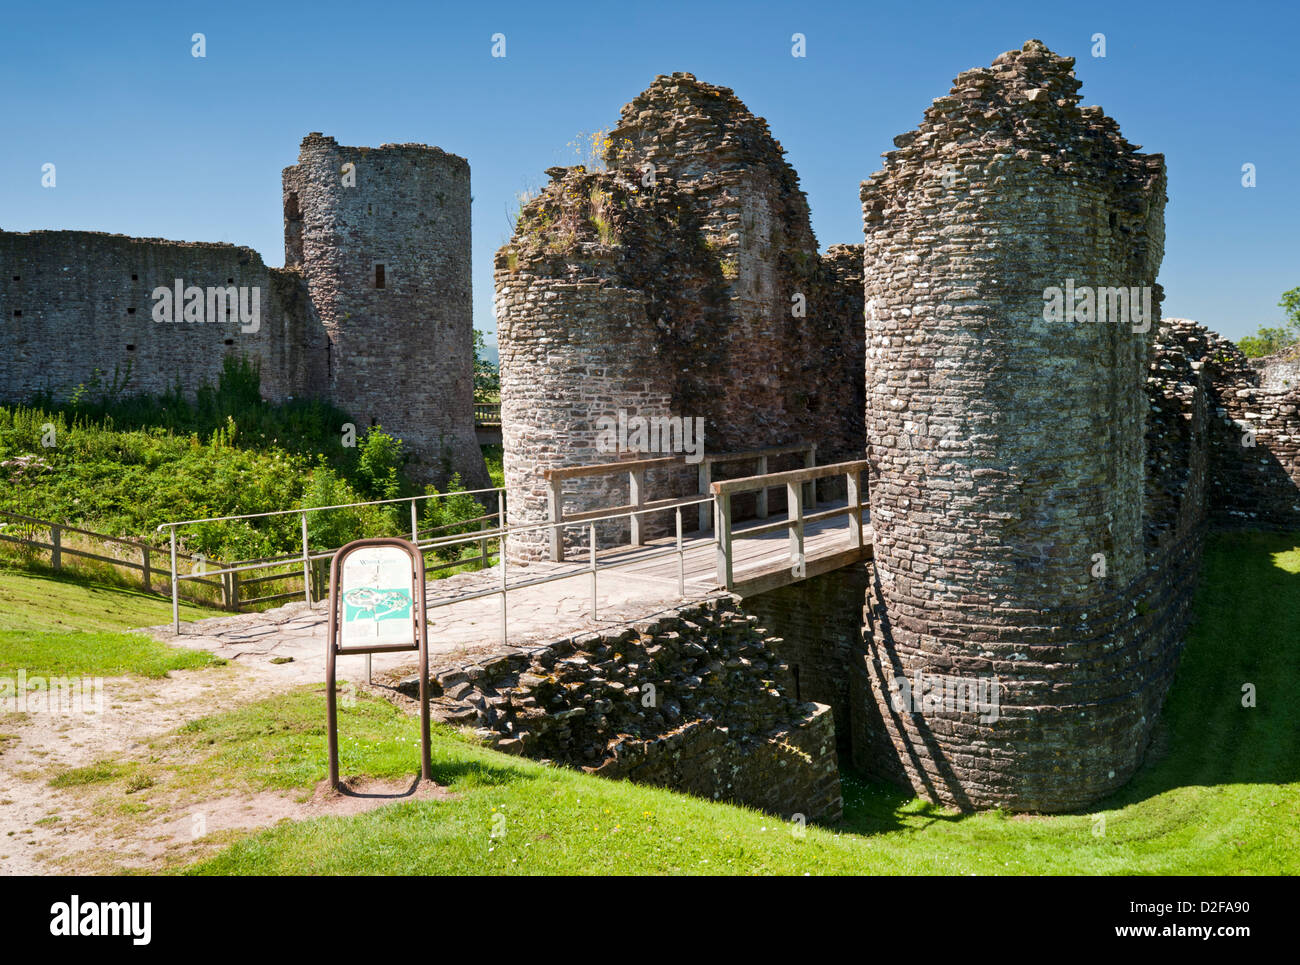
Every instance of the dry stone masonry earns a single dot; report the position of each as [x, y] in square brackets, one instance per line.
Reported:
[694, 699]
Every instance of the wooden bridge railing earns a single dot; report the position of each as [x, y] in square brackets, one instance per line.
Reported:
[487, 413]
[795, 482]
[638, 505]
[60, 547]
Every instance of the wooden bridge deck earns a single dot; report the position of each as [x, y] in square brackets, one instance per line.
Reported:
[760, 562]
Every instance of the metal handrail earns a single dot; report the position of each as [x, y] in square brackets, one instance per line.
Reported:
[502, 532]
[591, 568]
[321, 509]
[306, 556]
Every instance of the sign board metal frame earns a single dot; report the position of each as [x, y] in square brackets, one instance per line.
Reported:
[335, 648]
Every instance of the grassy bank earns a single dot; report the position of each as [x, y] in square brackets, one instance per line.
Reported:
[122, 465]
[58, 626]
[1218, 795]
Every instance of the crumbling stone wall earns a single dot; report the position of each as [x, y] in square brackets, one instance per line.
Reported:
[1008, 451]
[76, 308]
[1254, 439]
[699, 232]
[695, 699]
[399, 339]
[1280, 371]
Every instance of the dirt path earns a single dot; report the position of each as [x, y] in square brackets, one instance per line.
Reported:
[47, 830]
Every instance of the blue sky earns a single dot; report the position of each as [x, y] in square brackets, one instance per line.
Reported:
[150, 141]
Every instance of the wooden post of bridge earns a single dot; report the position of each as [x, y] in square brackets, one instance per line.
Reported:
[794, 496]
[636, 494]
[761, 510]
[723, 503]
[555, 500]
[810, 488]
[853, 490]
[56, 546]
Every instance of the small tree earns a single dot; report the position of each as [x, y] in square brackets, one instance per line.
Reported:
[1269, 340]
[487, 377]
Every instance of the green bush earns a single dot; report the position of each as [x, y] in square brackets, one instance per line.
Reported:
[122, 465]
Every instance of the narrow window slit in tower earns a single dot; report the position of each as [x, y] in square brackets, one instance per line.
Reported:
[379, 276]
[130, 348]
[230, 341]
[18, 313]
[130, 311]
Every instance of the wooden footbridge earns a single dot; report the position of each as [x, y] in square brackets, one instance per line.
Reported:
[802, 537]
[743, 556]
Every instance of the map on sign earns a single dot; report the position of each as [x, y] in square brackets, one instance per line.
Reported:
[376, 595]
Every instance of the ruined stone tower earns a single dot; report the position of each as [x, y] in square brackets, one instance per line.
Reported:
[382, 236]
[684, 280]
[1007, 443]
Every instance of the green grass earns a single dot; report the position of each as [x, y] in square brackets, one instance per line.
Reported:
[93, 655]
[39, 601]
[494, 455]
[57, 626]
[1218, 796]
[122, 464]
[101, 772]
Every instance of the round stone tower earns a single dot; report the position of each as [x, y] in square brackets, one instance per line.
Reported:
[681, 281]
[382, 236]
[1012, 247]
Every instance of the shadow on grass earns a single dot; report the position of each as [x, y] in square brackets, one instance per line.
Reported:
[1245, 630]
[1244, 641]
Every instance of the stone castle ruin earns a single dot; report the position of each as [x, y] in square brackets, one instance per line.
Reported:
[372, 310]
[1046, 452]
[682, 280]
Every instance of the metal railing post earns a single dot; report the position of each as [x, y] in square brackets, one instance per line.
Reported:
[176, 600]
[306, 563]
[415, 524]
[593, 571]
[681, 557]
[504, 629]
[501, 523]
[705, 473]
